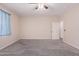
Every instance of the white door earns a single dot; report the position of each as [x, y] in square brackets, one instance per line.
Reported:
[55, 30]
[61, 30]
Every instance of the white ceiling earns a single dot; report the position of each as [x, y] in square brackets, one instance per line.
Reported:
[25, 9]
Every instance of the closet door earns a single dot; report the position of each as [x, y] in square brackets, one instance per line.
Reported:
[55, 30]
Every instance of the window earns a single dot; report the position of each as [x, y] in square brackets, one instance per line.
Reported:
[4, 23]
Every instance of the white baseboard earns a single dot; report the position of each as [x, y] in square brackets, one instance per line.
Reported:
[74, 49]
[8, 44]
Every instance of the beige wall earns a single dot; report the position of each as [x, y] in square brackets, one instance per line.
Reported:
[7, 40]
[36, 27]
[71, 24]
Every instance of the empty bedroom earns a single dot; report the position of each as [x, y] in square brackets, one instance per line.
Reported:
[39, 29]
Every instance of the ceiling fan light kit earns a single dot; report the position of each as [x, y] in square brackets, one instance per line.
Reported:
[41, 6]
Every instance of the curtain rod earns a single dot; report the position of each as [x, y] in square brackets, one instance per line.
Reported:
[5, 11]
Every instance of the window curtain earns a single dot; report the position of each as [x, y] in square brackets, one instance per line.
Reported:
[4, 23]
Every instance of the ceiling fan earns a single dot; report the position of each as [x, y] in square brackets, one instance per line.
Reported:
[40, 6]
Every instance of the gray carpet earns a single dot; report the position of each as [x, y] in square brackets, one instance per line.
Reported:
[39, 48]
